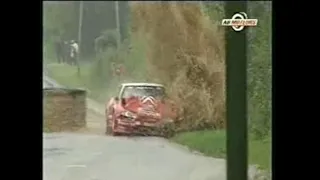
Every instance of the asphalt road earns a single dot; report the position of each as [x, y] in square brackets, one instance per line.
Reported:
[95, 157]
[91, 155]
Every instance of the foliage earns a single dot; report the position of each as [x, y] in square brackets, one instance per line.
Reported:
[108, 38]
[60, 19]
[259, 70]
[259, 63]
[215, 10]
[187, 55]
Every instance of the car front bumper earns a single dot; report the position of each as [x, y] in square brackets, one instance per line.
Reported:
[142, 127]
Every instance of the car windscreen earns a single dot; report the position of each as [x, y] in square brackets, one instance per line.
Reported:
[140, 91]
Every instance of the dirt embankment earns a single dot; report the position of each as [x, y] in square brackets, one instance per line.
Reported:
[186, 53]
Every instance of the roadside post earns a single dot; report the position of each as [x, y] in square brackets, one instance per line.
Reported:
[236, 81]
[79, 35]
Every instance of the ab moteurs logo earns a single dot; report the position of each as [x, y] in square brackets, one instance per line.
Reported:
[239, 21]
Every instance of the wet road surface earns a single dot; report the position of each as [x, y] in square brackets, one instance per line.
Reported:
[95, 157]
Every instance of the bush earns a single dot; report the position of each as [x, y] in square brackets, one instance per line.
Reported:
[131, 56]
[101, 73]
[259, 70]
[186, 53]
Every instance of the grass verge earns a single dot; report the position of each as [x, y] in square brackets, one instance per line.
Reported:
[68, 76]
[213, 143]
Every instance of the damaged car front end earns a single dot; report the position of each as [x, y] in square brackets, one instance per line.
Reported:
[143, 123]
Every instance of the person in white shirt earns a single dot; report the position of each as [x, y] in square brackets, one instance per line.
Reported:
[74, 51]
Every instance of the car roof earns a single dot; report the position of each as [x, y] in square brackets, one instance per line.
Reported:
[141, 84]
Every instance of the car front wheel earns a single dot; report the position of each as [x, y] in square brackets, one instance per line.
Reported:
[110, 126]
[168, 130]
[109, 129]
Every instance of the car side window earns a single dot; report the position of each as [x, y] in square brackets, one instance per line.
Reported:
[128, 91]
[120, 94]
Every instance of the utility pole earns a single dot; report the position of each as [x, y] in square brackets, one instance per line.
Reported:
[80, 23]
[236, 65]
[79, 33]
[116, 3]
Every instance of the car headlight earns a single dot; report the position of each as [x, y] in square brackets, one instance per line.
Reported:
[129, 115]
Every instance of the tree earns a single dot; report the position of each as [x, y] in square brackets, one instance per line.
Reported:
[60, 19]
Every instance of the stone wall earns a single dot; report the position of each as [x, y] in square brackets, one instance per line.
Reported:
[64, 109]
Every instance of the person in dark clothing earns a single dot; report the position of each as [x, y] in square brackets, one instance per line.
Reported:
[68, 52]
[58, 46]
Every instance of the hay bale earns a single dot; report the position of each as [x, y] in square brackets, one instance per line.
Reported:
[64, 109]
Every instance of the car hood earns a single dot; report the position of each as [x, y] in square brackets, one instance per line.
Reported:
[148, 105]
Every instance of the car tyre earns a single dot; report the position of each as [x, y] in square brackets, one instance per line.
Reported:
[168, 130]
[109, 129]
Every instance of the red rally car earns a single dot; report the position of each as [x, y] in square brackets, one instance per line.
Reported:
[140, 108]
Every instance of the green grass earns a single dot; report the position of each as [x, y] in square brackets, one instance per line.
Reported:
[213, 143]
[68, 76]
